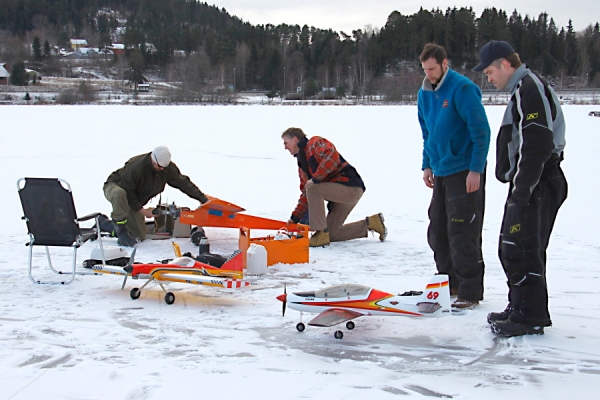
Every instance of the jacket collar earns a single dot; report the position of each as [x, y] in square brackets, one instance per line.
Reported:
[520, 72]
[429, 87]
[302, 142]
[301, 146]
[301, 157]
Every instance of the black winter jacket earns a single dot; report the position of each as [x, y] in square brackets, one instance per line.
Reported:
[532, 135]
[142, 182]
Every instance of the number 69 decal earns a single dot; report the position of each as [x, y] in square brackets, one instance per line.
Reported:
[432, 295]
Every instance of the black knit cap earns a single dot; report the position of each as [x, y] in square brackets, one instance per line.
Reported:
[491, 51]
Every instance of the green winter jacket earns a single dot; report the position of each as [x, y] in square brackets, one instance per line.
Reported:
[142, 182]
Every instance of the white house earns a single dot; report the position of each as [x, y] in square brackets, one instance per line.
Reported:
[4, 74]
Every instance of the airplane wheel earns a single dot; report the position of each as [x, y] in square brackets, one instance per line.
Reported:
[169, 298]
[350, 325]
[301, 327]
[197, 233]
[338, 334]
[135, 293]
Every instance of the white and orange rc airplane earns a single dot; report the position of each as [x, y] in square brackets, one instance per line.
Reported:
[343, 303]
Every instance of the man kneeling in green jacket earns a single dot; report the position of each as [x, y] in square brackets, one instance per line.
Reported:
[129, 188]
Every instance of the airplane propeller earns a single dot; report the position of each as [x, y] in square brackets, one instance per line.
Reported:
[129, 267]
[283, 299]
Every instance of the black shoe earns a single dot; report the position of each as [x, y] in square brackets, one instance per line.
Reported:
[106, 225]
[499, 316]
[509, 329]
[123, 236]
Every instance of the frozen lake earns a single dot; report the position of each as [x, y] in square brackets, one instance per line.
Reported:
[90, 340]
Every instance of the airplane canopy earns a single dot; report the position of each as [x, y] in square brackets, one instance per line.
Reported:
[346, 290]
[183, 262]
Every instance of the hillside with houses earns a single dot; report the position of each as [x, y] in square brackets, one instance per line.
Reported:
[186, 51]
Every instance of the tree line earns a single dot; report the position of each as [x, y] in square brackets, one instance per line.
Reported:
[200, 45]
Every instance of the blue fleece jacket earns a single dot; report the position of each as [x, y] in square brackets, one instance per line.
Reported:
[456, 132]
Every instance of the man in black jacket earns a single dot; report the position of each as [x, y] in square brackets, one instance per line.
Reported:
[529, 152]
[129, 188]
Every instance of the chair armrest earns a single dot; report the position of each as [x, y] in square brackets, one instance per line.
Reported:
[89, 216]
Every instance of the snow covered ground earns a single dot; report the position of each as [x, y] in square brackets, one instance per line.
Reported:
[89, 340]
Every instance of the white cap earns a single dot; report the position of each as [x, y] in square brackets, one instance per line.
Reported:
[162, 156]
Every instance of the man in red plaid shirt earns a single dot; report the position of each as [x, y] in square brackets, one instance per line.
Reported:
[326, 176]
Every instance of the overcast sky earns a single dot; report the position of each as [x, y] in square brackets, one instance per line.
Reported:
[347, 15]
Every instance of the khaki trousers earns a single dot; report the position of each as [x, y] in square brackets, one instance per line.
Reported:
[136, 222]
[342, 200]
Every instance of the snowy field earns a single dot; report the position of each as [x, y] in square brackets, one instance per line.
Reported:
[89, 340]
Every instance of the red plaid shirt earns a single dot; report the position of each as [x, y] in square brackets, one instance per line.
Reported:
[325, 164]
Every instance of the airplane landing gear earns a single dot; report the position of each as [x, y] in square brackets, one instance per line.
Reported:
[300, 327]
[338, 334]
[135, 293]
[350, 325]
[169, 298]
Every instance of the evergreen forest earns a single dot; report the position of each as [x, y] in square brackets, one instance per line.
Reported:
[198, 45]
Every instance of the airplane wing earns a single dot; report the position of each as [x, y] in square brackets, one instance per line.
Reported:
[334, 316]
[109, 269]
[228, 283]
[222, 205]
[222, 214]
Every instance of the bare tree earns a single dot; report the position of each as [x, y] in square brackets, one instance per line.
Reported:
[12, 48]
[242, 55]
[297, 67]
[41, 25]
[585, 42]
[203, 70]
[183, 71]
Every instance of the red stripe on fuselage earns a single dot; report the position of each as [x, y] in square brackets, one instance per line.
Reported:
[436, 285]
[370, 303]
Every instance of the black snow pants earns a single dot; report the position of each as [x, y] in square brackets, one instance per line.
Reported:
[522, 247]
[454, 234]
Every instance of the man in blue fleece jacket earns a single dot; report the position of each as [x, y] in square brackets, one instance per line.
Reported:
[456, 139]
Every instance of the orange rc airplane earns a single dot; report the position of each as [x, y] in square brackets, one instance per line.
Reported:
[222, 214]
[343, 303]
[229, 275]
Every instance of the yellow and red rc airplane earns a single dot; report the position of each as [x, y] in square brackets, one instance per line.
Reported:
[228, 275]
[343, 303]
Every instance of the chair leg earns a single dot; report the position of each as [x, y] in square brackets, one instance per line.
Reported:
[66, 282]
[73, 271]
[50, 261]
[29, 262]
[100, 241]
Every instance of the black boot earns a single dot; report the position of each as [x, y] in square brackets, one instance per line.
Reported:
[123, 236]
[509, 328]
[106, 225]
[499, 316]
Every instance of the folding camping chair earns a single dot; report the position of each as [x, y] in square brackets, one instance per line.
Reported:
[49, 212]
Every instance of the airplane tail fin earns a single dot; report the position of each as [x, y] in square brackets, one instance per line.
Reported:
[234, 265]
[435, 300]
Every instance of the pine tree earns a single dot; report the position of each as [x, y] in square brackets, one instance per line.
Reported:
[310, 88]
[47, 50]
[571, 51]
[18, 76]
[63, 39]
[37, 49]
